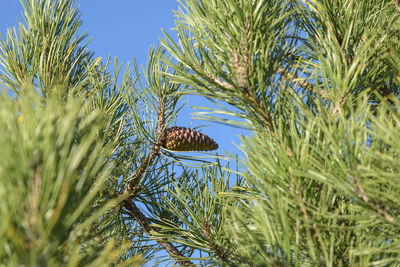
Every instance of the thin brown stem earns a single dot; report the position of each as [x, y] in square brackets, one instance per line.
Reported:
[130, 205]
[266, 119]
[313, 231]
[135, 212]
[397, 3]
[386, 93]
[155, 149]
[241, 65]
[219, 82]
[142, 168]
[302, 83]
[36, 166]
[382, 211]
[219, 251]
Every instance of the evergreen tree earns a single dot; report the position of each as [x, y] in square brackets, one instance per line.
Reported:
[317, 82]
[90, 175]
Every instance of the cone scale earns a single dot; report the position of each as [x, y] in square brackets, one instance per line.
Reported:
[185, 139]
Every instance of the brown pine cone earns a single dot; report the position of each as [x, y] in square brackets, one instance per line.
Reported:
[185, 139]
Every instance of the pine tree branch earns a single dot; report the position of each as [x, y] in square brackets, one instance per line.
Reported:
[386, 93]
[302, 83]
[135, 212]
[255, 103]
[129, 204]
[381, 210]
[142, 168]
[216, 80]
[155, 149]
[307, 217]
[36, 166]
[397, 3]
[219, 251]
[242, 71]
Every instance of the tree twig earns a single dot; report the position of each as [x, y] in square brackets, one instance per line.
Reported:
[135, 212]
[397, 3]
[381, 210]
[302, 83]
[242, 71]
[155, 149]
[130, 205]
[222, 253]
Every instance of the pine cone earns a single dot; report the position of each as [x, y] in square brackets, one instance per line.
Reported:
[185, 139]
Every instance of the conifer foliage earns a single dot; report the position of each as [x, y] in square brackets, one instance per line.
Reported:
[90, 166]
[317, 82]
